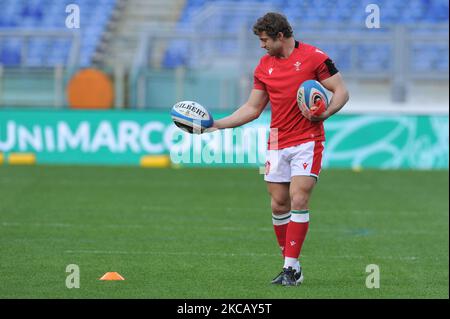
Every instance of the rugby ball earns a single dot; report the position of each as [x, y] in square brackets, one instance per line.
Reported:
[191, 117]
[308, 93]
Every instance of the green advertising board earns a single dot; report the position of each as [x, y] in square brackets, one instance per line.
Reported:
[124, 137]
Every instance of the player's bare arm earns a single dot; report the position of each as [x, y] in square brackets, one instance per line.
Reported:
[336, 85]
[248, 112]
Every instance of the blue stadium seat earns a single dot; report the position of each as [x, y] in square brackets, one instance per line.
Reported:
[10, 57]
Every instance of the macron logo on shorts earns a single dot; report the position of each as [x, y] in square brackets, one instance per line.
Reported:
[305, 165]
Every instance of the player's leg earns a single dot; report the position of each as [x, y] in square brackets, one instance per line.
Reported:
[281, 206]
[278, 176]
[300, 193]
[305, 167]
[280, 203]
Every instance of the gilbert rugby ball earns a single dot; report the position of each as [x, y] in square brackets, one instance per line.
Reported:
[191, 117]
[308, 92]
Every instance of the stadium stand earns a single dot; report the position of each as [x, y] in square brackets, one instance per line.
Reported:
[137, 16]
[348, 13]
[51, 15]
[112, 34]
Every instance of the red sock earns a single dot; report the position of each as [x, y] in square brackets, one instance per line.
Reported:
[296, 233]
[280, 224]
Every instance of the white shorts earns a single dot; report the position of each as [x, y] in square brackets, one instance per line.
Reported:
[300, 160]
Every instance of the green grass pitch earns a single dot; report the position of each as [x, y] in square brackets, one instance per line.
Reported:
[207, 233]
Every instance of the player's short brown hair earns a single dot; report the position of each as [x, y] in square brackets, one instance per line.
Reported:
[273, 23]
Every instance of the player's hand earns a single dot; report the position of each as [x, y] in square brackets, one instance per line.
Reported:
[211, 129]
[318, 108]
[318, 112]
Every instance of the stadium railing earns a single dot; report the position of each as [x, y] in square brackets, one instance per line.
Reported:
[45, 83]
[26, 35]
[205, 54]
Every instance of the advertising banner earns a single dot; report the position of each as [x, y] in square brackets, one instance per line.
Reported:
[124, 137]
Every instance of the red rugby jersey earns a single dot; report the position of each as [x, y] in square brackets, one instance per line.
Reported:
[281, 78]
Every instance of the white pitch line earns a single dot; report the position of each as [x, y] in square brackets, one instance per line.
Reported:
[190, 253]
[63, 225]
[328, 230]
[184, 253]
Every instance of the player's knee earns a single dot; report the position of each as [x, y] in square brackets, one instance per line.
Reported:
[299, 201]
[279, 207]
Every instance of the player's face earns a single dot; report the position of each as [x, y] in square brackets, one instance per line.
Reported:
[273, 47]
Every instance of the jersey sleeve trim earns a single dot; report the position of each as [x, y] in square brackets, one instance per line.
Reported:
[331, 67]
[326, 69]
